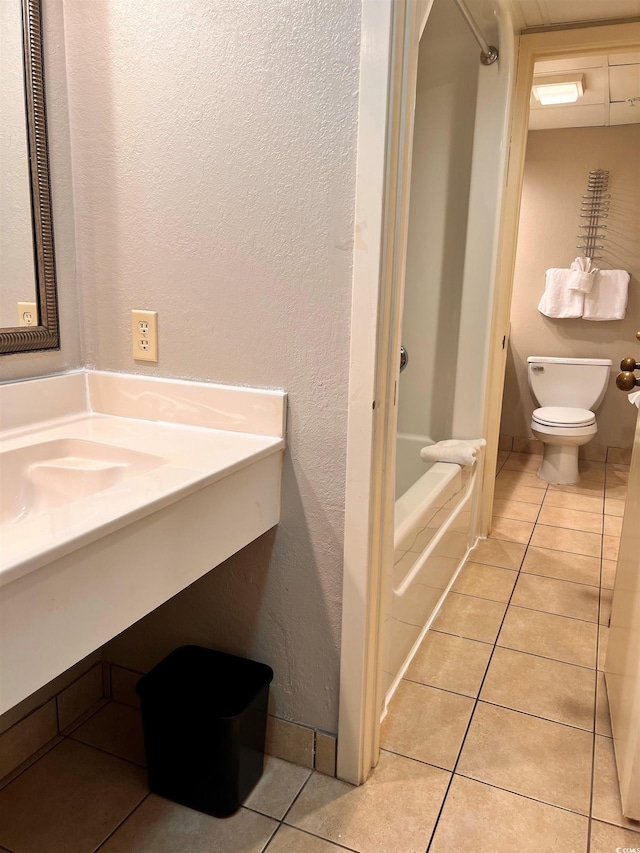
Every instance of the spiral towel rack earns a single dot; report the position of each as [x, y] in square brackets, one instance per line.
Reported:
[594, 207]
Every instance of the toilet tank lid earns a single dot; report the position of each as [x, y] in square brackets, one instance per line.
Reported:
[547, 359]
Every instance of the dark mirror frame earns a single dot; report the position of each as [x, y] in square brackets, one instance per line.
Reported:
[46, 335]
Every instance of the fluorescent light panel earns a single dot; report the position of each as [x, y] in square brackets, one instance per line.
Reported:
[559, 89]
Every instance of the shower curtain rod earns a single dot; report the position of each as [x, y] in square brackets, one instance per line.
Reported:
[488, 54]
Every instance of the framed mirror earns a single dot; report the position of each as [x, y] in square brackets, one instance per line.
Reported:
[27, 259]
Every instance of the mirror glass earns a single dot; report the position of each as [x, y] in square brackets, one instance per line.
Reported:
[28, 302]
[17, 272]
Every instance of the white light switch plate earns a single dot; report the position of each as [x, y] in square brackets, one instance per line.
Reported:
[144, 335]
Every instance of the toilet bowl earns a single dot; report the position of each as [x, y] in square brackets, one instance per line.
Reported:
[568, 390]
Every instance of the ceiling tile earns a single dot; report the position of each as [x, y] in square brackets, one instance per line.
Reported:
[583, 116]
[623, 113]
[558, 66]
[624, 58]
[624, 82]
[540, 13]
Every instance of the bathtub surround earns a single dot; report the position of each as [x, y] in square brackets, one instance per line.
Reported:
[557, 164]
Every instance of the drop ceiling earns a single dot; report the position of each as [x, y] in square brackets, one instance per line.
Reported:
[529, 14]
[611, 92]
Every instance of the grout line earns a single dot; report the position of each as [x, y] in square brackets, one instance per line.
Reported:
[337, 844]
[297, 796]
[123, 821]
[106, 752]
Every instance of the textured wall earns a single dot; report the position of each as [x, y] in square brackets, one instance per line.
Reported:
[69, 355]
[214, 168]
[555, 177]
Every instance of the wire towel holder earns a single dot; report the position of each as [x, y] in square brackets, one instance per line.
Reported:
[594, 207]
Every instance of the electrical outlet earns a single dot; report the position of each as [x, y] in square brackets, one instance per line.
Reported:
[27, 314]
[144, 335]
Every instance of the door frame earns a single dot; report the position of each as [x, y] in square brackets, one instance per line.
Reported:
[552, 44]
[390, 38]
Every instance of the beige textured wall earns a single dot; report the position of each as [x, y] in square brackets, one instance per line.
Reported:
[555, 177]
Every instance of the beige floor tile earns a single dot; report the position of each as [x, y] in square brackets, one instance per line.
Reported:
[614, 506]
[279, 786]
[609, 568]
[520, 478]
[590, 470]
[617, 476]
[603, 718]
[606, 599]
[603, 638]
[555, 516]
[577, 568]
[467, 616]
[493, 552]
[577, 502]
[612, 525]
[450, 663]
[395, 811]
[82, 795]
[606, 793]
[607, 839]
[160, 826]
[610, 547]
[485, 582]
[562, 539]
[529, 756]
[510, 492]
[523, 462]
[116, 729]
[510, 530]
[484, 819]
[519, 510]
[584, 487]
[544, 688]
[550, 636]
[563, 598]
[426, 724]
[290, 840]
[618, 493]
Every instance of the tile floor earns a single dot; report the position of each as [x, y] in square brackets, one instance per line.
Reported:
[498, 739]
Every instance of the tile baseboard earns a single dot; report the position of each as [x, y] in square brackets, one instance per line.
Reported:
[589, 452]
[293, 742]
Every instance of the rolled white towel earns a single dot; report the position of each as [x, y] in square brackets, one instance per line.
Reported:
[634, 398]
[581, 275]
[461, 451]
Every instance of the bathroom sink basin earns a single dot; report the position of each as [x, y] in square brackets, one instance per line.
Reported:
[47, 475]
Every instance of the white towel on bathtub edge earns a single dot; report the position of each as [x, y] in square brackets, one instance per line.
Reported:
[558, 300]
[461, 451]
[608, 297]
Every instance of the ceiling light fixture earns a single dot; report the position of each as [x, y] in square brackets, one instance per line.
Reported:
[558, 89]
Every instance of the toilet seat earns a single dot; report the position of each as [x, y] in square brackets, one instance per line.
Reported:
[563, 416]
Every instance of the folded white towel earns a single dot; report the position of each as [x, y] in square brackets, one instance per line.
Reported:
[608, 297]
[460, 451]
[557, 300]
[582, 275]
[634, 398]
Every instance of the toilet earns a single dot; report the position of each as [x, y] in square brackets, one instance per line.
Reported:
[568, 390]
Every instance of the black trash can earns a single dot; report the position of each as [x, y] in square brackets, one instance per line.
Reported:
[204, 715]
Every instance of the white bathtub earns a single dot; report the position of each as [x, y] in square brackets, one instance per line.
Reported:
[435, 527]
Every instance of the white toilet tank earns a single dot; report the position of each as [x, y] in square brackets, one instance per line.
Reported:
[574, 382]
